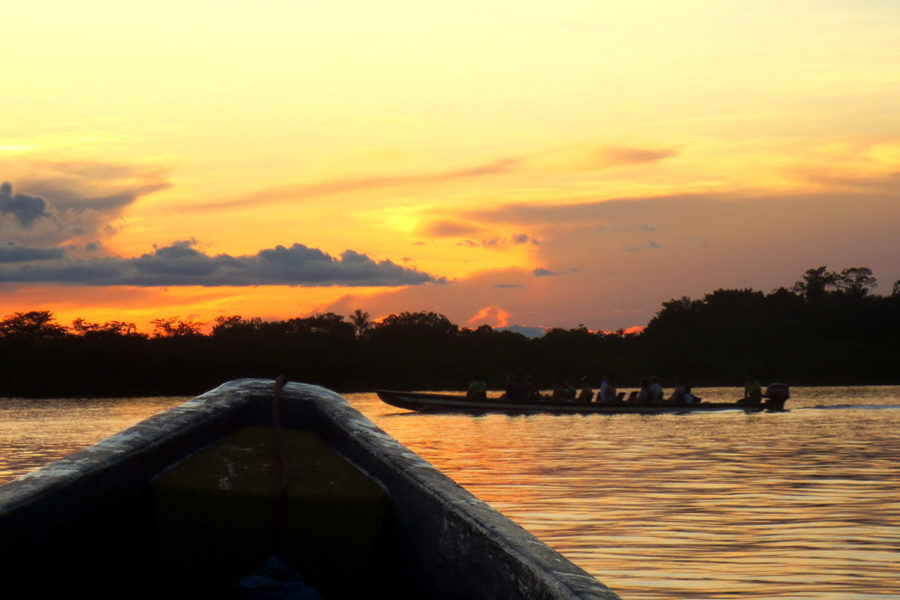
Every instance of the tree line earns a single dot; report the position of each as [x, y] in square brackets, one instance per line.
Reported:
[828, 328]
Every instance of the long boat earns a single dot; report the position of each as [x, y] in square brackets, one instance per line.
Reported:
[456, 403]
[254, 482]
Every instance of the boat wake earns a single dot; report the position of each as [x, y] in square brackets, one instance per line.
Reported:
[855, 407]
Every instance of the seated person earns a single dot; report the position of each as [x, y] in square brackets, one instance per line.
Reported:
[643, 396]
[531, 392]
[477, 389]
[752, 390]
[560, 390]
[515, 389]
[571, 392]
[654, 391]
[587, 394]
[689, 397]
[679, 394]
[609, 393]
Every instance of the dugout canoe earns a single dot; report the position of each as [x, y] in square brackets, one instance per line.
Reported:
[190, 501]
[456, 403]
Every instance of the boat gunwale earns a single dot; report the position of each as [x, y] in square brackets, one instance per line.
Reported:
[425, 498]
[448, 403]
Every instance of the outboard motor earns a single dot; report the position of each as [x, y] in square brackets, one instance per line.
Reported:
[776, 395]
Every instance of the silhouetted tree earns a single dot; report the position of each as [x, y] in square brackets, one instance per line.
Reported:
[174, 327]
[418, 322]
[33, 325]
[82, 327]
[414, 347]
[815, 282]
[329, 324]
[361, 322]
[856, 281]
[846, 335]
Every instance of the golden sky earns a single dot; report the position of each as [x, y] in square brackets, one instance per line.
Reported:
[530, 163]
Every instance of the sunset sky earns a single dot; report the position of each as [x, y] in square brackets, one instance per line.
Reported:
[543, 164]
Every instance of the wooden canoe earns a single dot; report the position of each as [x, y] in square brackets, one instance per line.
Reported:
[194, 499]
[454, 403]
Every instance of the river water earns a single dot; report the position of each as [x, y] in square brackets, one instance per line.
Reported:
[797, 505]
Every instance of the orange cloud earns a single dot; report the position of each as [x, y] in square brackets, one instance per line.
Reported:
[449, 229]
[630, 156]
[338, 186]
[493, 313]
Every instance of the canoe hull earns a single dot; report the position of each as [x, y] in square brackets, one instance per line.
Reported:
[88, 522]
[449, 403]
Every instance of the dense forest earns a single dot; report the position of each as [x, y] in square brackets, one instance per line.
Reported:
[829, 328]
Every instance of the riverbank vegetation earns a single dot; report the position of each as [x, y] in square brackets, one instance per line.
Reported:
[829, 328]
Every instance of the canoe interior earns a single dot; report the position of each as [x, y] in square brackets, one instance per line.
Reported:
[188, 501]
[222, 510]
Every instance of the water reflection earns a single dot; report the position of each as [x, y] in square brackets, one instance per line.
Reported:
[34, 432]
[723, 505]
[802, 504]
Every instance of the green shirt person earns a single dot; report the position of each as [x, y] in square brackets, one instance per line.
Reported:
[477, 389]
[752, 389]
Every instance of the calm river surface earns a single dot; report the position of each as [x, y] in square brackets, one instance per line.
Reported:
[796, 505]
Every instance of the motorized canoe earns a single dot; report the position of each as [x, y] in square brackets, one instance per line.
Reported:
[196, 498]
[455, 403]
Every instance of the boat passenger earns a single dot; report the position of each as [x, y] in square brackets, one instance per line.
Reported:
[559, 390]
[531, 392]
[643, 396]
[654, 391]
[587, 394]
[604, 381]
[689, 397]
[752, 389]
[477, 389]
[682, 393]
[677, 396]
[609, 393]
[515, 389]
[752, 392]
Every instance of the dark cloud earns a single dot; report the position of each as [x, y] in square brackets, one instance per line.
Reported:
[103, 187]
[24, 208]
[541, 272]
[181, 263]
[72, 201]
[523, 238]
[516, 239]
[15, 253]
